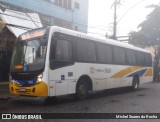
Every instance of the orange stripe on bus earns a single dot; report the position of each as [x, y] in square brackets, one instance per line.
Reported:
[149, 72]
[126, 71]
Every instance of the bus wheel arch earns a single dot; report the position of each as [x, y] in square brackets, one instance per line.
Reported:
[135, 82]
[83, 86]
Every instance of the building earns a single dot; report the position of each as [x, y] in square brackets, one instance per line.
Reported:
[12, 24]
[71, 14]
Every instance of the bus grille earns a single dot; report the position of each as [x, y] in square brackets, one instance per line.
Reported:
[23, 76]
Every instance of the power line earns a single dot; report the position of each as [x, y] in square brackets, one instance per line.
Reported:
[37, 22]
[49, 11]
[82, 25]
[82, 16]
[129, 10]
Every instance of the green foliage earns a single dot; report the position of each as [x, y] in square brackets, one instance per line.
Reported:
[149, 33]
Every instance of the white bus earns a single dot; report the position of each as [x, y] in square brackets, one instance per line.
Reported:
[54, 61]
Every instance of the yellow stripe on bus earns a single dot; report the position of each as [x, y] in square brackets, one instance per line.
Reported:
[126, 71]
[149, 72]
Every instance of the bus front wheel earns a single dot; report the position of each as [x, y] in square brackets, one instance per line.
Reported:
[135, 83]
[82, 90]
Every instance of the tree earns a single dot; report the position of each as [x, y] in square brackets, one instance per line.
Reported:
[149, 33]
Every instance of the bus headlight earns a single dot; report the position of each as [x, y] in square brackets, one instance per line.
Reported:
[39, 79]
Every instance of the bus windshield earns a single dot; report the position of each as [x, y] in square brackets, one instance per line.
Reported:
[29, 55]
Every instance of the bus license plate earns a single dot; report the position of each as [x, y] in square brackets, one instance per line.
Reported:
[22, 89]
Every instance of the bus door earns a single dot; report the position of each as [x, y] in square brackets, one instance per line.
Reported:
[62, 72]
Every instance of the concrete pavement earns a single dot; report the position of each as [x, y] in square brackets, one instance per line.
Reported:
[4, 91]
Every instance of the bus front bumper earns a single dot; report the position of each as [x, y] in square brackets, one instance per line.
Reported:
[40, 89]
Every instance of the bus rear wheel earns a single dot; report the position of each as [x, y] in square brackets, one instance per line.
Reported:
[82, 90]
[135, 83]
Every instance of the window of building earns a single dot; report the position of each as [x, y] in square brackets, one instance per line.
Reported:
[76, 5]
[69, 4]
[52, 1]
[48, 0]
[62, 23]
[64, 3]
[46, 20]
[60, 3]
[56, 2]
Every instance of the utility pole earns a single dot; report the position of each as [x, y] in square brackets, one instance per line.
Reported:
[115, 4]
[115, 20]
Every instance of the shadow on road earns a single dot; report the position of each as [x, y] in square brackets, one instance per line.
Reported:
[36, 102]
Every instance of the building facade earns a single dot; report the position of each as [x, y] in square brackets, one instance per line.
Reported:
[71, 14]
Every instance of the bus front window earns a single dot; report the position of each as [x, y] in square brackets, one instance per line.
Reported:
[29, 55]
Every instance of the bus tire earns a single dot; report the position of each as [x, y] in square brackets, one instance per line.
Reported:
[82, 90]
[135, 83]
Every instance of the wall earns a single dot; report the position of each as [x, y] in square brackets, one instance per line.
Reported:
[78, 17]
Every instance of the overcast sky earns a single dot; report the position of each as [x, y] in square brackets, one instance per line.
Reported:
[101, 16]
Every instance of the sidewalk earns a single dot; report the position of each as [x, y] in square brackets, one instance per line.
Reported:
[4, 91]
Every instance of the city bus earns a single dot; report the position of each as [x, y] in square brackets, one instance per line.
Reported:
[54, 61]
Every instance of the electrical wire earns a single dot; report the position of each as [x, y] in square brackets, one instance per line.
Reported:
[92, 26]
[82, 25]
[129, 10]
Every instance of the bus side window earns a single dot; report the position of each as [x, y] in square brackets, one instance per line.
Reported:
[140, 58]
[63, 51]
[109, 55]
[101, 54]
[130, 57]
[62, 54]
[86, 51]
[119, 55]
[148, 59]
[104, 53]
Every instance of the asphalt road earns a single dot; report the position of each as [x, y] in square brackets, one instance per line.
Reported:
[123, 100]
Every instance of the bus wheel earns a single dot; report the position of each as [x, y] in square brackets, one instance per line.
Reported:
[82, 90]
[135, 83]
